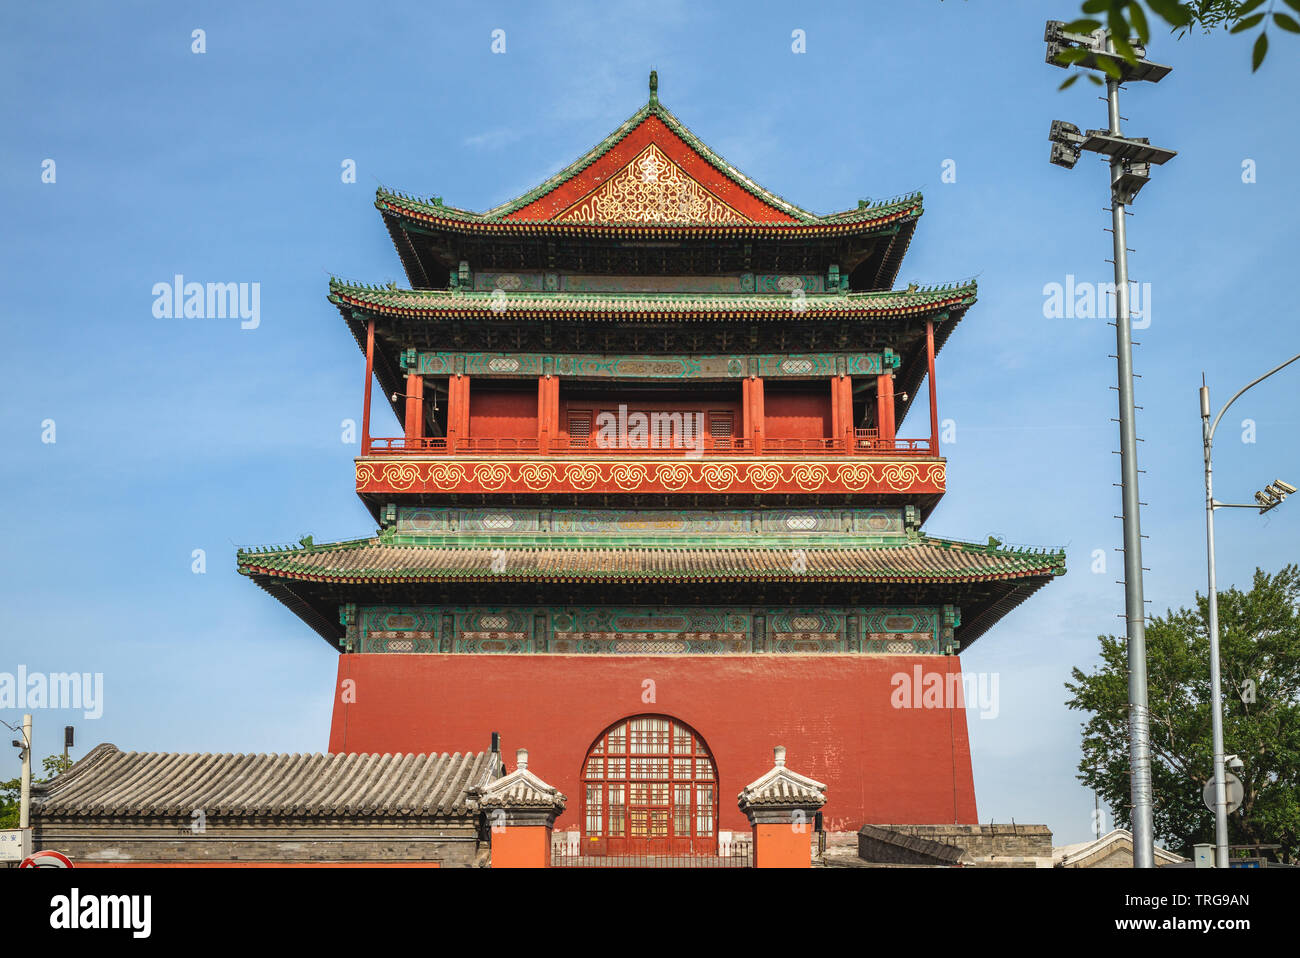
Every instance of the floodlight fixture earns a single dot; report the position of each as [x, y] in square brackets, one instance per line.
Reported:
[1066, 142]
[1059, 40]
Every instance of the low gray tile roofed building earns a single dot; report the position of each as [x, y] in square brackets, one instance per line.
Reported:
[108, 782]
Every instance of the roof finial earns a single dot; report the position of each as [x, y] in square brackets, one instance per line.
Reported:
[779, 755]
[521, 758]
[654, 86]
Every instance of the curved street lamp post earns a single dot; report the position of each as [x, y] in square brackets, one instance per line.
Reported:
[1270, 498]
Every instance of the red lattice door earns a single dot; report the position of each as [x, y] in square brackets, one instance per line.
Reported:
[650, 789]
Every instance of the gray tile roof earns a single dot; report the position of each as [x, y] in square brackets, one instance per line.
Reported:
[522, 789]
[780, 787]
[110, 782]
[372, 560]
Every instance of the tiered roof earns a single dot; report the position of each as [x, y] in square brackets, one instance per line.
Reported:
[649, 179]
[986, 580]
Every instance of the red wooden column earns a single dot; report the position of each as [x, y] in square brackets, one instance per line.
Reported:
[414, 408]
[746, 414]
[934, 401]
[457, 410]
[453, 398]
[885, 407]
[543, 423]
[845, 406]
[548, 412]
[553, 405]
[370, 374]
[837, 409]
[756, 412]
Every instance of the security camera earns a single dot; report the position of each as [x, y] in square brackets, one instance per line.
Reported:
[1233, 761]
[1284, 486]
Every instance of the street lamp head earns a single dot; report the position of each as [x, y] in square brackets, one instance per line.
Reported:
[1273, 495]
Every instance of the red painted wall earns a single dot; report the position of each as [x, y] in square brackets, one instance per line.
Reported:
[834, 714]
[610, 405]
[497, 411]
[802, 413]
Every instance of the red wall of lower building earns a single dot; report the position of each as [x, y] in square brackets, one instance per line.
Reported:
[834, 714]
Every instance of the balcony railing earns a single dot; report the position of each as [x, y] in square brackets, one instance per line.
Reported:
[866, 442]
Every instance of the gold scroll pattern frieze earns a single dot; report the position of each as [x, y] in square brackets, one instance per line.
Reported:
[643, 477]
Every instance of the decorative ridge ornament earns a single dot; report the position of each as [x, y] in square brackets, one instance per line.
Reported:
[521, 789]
[781, 793]
[654, 87]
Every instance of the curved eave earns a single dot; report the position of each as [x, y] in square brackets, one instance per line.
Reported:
[408, 212]
[482, 308]
[254, 571]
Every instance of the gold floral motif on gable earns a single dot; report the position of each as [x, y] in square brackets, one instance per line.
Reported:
[651, 189]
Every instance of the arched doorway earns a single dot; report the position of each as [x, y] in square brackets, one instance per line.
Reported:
[650, 787]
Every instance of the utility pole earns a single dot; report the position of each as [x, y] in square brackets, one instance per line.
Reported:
[25, 792]
[1130, 165]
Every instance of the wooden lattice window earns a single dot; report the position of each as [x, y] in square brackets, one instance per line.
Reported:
[721, 425]
[649, 787]
[580, 429]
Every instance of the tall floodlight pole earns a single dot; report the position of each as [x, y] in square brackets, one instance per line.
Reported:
[1130, 165]
[1270, 498]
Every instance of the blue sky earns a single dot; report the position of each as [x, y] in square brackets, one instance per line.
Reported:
[175, 435]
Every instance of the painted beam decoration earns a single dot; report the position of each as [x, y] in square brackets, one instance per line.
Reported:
[654, 367]
[651, 476]
[515, 630]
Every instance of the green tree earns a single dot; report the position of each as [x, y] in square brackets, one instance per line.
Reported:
[11, 791]
[1260, 663]
[1132, 18]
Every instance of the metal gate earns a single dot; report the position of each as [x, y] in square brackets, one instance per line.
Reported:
[650, 788]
